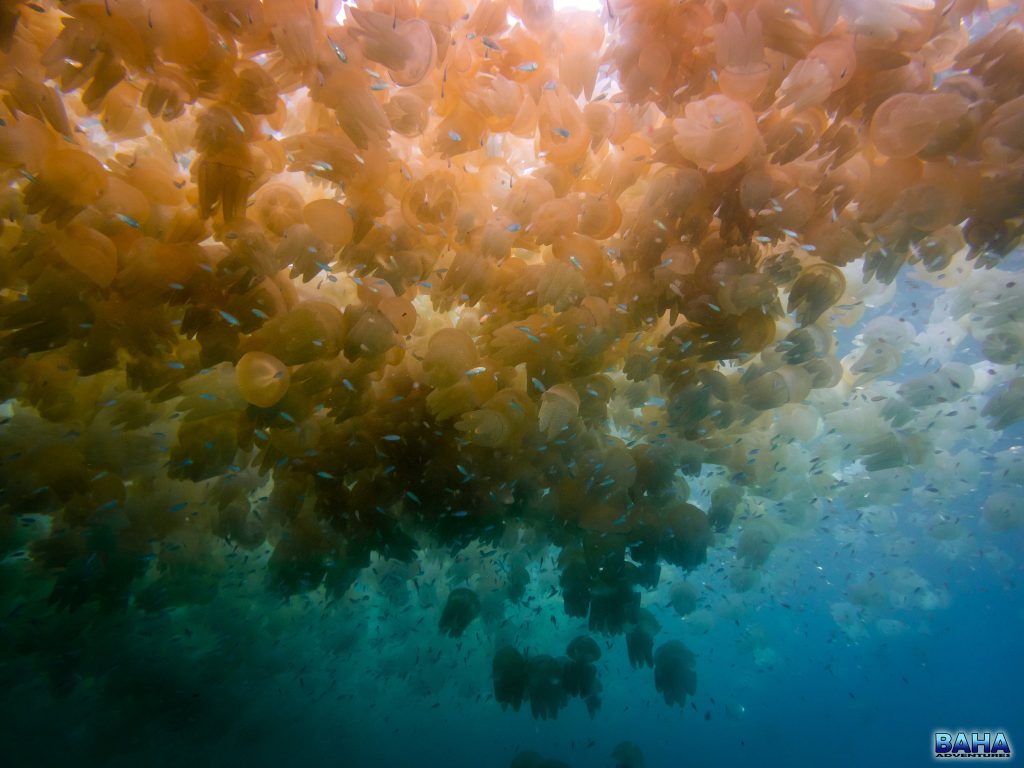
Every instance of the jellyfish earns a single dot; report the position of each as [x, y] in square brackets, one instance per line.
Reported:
[575, 585]
[1003, 511]
[640, 639]
[518, 580]
[68, 181]
[462, 607]
[1005, 345]
[544, 686]
[739, 49]
[626, 754]
[724, 501]
[406, 47]
[683, 598]
[715, 133]
[773, 389]
[580, 674]
[756, 542]
[674, 674]
[311, 330]
[277, 207]
[559, 407]
[262, 378]
[817, 288]
[450, 354]
[509, 673]
[907, 123]
[583, 649]
[685, 536]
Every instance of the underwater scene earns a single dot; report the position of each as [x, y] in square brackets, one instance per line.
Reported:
[513, 383]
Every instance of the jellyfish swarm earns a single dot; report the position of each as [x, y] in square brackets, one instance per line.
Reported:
[439, 276]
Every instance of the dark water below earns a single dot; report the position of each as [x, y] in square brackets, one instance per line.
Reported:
[246, 680]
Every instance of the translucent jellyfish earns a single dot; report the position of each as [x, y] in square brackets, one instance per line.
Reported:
[892, 450]
[1005, 345]
[640, 639]
[312, 330]
[508, 671]
[685, 536]
[92, 253]
[408, 113]
[580, 674]
[724, 501]
[599, 216]
[262, 378]
[68, 181]
[715, 133]
[450, 354]
[547, 696]
[559, 406]
[613, 605]
[1006, 406]
[462, 607]
[575, 583]
[583, 649]
[370, 334]
[277, 207]
[406, 47]
[306, 253]
[818, 287]
[772, 389]
[1003, 511]
[674, 673]
[739, 50]
[907, 123]
[877, 359]
[850, 619]
[683, 598]
[756, 542]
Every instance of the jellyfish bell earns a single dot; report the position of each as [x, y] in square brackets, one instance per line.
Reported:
[262, 378]
[674, 674]
[509, 676]
[715, 133]
[683, 598]
[817, 288]
[462, 606]
[1003, 511]
[1006, 406]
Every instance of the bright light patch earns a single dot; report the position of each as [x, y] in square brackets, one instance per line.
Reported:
[594, 6]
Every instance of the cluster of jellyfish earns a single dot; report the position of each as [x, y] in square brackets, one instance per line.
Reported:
[332, 287]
